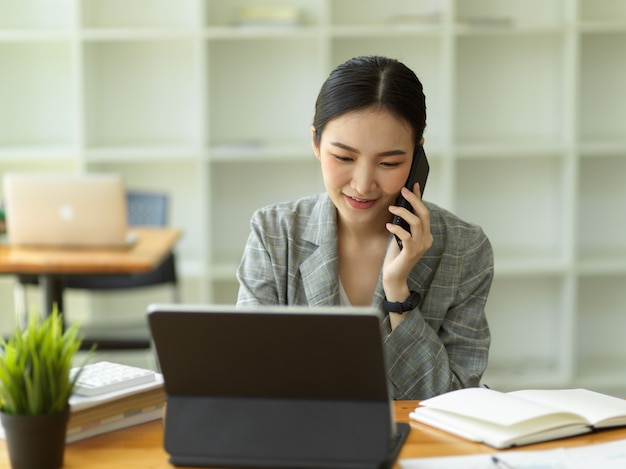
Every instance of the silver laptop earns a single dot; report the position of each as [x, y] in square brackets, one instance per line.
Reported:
[275, 386]
[60, 210]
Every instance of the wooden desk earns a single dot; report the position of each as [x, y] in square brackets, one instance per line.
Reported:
[142, 446]
[51, 264]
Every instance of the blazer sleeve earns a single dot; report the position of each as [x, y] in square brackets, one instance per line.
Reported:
[429, 355]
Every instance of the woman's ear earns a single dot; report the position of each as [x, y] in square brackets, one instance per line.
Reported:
[314, 142]
[422, 141]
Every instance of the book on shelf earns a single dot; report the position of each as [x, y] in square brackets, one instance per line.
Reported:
[268, 16]
[517, 418]
[94, 415]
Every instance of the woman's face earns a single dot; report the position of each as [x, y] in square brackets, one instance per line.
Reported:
[365, 158]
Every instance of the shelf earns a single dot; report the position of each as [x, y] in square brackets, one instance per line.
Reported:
[154, 14]
[36, 165]
[387, 30]
[143, 153]
[514, 147]
[26, 35]
[518, 202]
[294, 13]
[239, 188]
[139, 93]
[601, 226]
[600, 348]
[504, 28]
[602, 12]
[526, 136]
[522, 264]
[602, 97]
[36, 14]
[604, 147]
[607, 261]
[260, 151]
[257, 33]
[351, 13]
[33, 93]
[530, 351]
[591, 27]
[487, 88]
[514, 12]
[242, 77]
[42, 153]
[120, 34]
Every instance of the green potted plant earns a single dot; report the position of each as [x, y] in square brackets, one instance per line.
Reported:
[35, 387]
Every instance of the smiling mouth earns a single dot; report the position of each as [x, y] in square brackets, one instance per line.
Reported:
[359, 203]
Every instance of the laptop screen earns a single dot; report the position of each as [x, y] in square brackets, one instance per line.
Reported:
[65, 209]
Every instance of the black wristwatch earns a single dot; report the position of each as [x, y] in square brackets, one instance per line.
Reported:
[400, 307]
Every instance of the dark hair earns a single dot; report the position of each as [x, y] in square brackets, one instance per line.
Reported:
[371, 81]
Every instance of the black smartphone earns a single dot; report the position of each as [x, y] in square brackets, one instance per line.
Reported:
[418, 173]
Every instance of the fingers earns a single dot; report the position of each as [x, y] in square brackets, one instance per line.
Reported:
[418, 220]
[420, 215]
[416, 224]
[415, 199]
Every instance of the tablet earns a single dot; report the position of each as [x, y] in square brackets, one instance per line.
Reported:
[275, 386]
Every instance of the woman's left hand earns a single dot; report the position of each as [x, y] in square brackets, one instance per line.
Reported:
[399, 263]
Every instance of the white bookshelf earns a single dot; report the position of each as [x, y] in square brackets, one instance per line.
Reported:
[526, 136]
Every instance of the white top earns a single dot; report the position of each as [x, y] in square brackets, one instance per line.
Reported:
[343, 296]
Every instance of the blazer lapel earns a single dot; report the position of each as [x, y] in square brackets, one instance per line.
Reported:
[320, 271]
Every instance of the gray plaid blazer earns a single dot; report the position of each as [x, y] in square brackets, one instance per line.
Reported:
[443, 344]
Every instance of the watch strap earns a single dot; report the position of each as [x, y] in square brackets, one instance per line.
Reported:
[400, 307]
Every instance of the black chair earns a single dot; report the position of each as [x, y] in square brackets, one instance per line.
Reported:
[144, 209]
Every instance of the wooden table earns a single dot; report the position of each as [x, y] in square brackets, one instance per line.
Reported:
[51, 264]
[141, 446]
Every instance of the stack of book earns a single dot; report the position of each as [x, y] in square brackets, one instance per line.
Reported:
[93, 415]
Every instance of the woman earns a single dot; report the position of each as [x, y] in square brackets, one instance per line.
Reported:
[335, 248]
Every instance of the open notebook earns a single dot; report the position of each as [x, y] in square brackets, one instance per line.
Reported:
[87, 210]
[275, 387]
